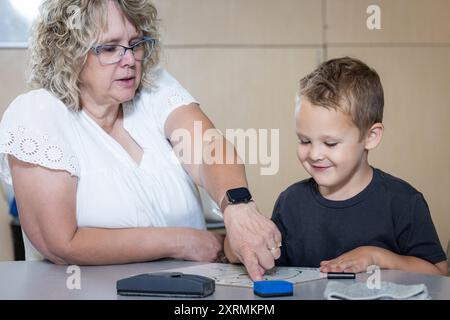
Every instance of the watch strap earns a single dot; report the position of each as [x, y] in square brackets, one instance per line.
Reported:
[224, 203]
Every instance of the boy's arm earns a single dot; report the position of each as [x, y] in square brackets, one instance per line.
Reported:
[390, 260]
[359, 259]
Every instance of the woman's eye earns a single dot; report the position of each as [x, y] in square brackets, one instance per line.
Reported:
[303, 141]
[108, 49]
[330, 144]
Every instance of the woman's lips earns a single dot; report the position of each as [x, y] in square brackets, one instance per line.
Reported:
[126, 82]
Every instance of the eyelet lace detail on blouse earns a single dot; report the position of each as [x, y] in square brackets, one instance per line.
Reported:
[177, 98]
[38, 149]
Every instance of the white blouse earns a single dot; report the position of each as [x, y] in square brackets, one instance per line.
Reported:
[113, 190]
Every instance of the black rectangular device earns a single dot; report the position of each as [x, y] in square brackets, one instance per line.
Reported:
[166, 284]
[341, 275]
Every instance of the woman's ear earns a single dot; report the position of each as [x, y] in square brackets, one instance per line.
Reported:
[374, 135]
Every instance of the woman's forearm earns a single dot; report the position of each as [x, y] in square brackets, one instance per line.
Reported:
[219, 168]
[97, 246]
[246, 227]
[229, 173]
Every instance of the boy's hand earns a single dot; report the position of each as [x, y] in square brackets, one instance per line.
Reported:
[356, 260]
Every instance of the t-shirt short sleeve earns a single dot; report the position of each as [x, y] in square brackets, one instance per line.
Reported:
[416, 233]
[167, 95]
[36, 128]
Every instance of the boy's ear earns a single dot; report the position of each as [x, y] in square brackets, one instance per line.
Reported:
[374, 135]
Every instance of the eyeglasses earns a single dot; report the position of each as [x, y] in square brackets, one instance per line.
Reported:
[110, 54]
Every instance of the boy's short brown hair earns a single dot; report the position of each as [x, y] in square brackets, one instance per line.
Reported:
[349, 85]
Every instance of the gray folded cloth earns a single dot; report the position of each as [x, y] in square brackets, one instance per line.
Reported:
[360, 291]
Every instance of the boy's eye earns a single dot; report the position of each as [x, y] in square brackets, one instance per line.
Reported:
[330, 144]
[303, 141]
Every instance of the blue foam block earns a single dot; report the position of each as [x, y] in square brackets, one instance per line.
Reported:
[273, 288]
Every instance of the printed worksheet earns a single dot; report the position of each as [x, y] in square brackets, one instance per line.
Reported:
[236, 275]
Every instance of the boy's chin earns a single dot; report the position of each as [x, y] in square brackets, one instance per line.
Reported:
[324, 181]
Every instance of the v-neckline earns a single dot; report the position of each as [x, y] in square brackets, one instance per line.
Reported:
[114, 141]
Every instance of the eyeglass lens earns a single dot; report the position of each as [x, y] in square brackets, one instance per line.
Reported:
[109, 54]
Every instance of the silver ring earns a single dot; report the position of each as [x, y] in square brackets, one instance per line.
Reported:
[274, 248]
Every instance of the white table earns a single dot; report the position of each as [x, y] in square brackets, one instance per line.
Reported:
[44, 280]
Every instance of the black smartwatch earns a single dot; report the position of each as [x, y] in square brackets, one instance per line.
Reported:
[235, 196]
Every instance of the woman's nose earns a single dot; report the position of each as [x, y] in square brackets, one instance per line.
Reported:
[128, 58]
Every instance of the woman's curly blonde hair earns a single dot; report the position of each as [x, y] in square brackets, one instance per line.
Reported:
[64, 34]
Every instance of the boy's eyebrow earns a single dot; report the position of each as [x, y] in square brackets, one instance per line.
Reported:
[328, 137]
[324, 137]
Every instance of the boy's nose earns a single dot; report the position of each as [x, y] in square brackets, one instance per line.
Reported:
[315, 154]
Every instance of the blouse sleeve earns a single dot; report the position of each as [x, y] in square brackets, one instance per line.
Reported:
[36, 128]
[167, 95]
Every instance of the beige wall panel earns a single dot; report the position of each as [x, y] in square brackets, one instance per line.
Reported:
[249, 88]
[12, 78]
[240, 21]
[402, 21]
[416, 144]
[6, 243]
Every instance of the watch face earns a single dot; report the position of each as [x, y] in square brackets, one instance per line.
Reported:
[239, 195]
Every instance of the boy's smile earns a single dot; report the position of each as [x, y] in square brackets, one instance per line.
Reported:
[331, 151]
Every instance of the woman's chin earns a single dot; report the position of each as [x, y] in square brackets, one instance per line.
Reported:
[125, 96]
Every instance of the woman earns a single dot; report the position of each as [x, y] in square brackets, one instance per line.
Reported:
[90, 153]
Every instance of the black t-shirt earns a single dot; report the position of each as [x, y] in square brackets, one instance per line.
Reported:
[389, 213]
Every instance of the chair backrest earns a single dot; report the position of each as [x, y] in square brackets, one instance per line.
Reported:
[211, 210]
[448, 255]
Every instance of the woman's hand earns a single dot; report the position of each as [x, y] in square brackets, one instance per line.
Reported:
[356, 260]
[200, 245]
[253, 238]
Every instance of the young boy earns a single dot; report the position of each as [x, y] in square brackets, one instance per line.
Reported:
[348, 215]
